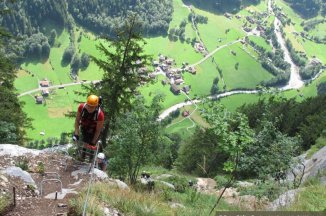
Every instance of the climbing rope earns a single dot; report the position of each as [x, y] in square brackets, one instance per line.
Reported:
[90, 181]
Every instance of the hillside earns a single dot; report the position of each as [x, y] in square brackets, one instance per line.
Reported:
[36, 196]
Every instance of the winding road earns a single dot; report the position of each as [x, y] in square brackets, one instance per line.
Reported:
[56, 87]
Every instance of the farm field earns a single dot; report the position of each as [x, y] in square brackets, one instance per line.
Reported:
[260, 42]
[50, 117]
[249, 73]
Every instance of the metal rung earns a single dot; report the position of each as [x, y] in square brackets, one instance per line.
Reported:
[45, 180]
[53, 173]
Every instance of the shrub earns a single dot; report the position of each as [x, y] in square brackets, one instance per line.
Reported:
[22, 163]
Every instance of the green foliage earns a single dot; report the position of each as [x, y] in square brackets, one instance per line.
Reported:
[320, 143]
[221, 6]
[68, 54]
[122, 60]
[13, 120]
[221, 180]
[268, 189]
[22, 162]
[8, 133]
[154, 14]
[180, 183]
[305, 119]
[52, 37]
[307, 8]
[321, 88]
[310, 71]
[212, 149]
[5, 202]
[40, 167]
[167, 151]
[271, 153]
[310, 199]
[84, 61]
[135, 140]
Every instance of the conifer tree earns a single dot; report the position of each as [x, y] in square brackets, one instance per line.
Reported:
[123, 60]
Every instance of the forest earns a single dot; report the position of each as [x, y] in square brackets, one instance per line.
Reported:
[221, 6]
[308, 8]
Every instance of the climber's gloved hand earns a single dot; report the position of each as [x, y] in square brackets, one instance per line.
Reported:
[75, 138]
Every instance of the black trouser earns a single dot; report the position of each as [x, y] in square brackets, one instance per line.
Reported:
[87, 136]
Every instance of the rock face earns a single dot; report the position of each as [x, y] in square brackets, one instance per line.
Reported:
[316, 164]
[18, 172]
[15, 151]
[206, 185]
[284, 200]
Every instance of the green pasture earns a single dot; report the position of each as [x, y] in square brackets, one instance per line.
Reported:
[235, 101]
[50, 116]
[313, 49]
[295, 39]
[25, 81]
[150, 90]
[319, 30]
[249, 74]
[180, 13]
[260, 42]
[201, 83]
[215, 30]
[181, 128]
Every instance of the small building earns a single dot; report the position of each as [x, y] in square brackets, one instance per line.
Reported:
[44, 83]
[164, 67]
[45, 92]
[238, 16]
[156, 63]
[39, 99]
[175, 89]
[142, 70]
[169, 61]
[177, 76]
[192, 70]
[250, 19]
[169, 74]
[152, 75]
[185, 113]
[228, 15]
[178, 81]
[186, 89]
[161, 58]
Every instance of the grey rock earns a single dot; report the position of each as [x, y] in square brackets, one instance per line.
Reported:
[168, 184]
[164, 176]
[284, 200]
[18, 172]
[121, 184]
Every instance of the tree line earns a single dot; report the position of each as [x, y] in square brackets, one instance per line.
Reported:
[221, 6]
[308, 8]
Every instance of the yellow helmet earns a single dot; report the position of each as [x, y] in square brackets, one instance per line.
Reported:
[92, 100]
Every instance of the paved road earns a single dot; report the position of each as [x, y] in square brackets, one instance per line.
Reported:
[56, 86]
[214, 51]
[166, 112]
